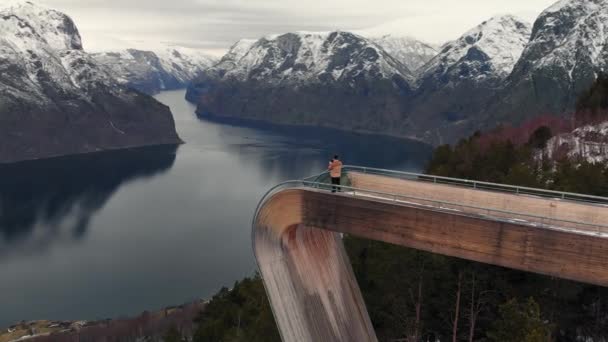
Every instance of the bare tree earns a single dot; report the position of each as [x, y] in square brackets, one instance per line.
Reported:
[412, 321]
[457, 308]
[418, 306]
[479, 300]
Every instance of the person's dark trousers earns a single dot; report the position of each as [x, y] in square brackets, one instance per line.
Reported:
[335, 181]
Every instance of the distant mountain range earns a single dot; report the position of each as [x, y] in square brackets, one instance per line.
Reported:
[335, 79]
[55, 99]
[502, 71]
[413, 53]
[153, 71]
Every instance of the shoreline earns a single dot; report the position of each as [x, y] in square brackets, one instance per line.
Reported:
[125, 149]
[148, 324]
[262, 124]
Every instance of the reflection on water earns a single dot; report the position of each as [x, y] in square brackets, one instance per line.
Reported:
[50, 193]
[113, 234]
[297, 152]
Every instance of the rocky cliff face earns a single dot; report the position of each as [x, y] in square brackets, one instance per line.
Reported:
[56, 100]
[154, 71]
[335, 79]
[567, 49]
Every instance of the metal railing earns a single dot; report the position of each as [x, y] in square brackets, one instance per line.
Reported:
[446, 207]
[544, 222]
[521, 190]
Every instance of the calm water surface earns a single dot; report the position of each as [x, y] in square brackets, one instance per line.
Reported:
[113, 234]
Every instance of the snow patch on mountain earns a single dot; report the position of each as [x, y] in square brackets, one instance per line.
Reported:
[42, 48]
[411, 52]
[568, 48]
[571, 36]
[25, 22]
[489, 50]
[153, 71]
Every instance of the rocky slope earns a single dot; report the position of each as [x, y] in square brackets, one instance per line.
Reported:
[567, 49]
[56, 100]
[455, 84]
[589, 143]
[412, 52]
[154, 71]
[335, 79]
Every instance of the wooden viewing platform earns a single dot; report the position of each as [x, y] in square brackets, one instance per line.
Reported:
[307, 274]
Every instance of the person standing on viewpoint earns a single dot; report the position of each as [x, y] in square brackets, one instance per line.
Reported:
[335, 171]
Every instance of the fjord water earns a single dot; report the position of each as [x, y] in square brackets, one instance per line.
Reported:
[112, 234]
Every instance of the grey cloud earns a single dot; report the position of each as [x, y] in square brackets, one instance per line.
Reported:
[217, 24]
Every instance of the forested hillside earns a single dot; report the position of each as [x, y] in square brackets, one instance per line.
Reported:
[419, 296]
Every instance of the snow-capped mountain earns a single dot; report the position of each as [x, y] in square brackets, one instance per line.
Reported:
[335, 79]
[411, 52]
[56, 100]
[153, 71]
[487, 52]
[311, 58]
[454, 86]
[567, 49]
[237, 51]
[503, 70]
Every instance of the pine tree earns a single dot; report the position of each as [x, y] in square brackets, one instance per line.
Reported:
[520, 323]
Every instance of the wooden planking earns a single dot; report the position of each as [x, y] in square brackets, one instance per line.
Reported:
[309, 279]
[550, 208]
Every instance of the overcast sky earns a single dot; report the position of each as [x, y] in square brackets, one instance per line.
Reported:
[214, 25]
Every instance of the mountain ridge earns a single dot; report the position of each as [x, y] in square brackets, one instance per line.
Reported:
[567, 50]
[152, 71]
[55, 99]
[418, 105]
[410, 51]
[311, 77]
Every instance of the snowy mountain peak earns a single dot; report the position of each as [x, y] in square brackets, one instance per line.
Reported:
[56, 100]
[309, 56]
[567, 49]
[565, 4]
[410, 51]
[24, 23]
[152, 71]
[489, 50]
[571, 20]
[237, 51]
